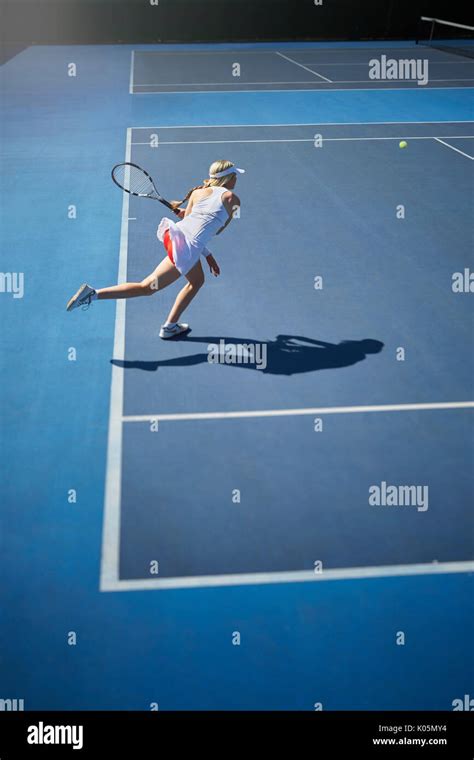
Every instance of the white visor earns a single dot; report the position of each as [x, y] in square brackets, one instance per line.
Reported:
[230, 170]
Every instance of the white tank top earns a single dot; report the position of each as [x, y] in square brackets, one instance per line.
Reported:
[206, 218]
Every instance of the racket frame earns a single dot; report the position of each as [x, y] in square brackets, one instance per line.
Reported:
[156, 197]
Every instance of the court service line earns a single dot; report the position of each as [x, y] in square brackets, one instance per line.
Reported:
[438, 139]
[299, 412]
[113, 477]
[345, 573]
[229, 84]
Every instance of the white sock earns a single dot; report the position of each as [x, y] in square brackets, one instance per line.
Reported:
[170, 324]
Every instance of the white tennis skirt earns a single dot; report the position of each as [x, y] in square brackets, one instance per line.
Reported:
[181, 251]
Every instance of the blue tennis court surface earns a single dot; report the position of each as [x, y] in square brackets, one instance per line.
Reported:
[298, 468]
[279, 468]
[260, 69]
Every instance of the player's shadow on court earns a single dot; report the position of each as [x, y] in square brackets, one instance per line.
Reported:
[286, 355]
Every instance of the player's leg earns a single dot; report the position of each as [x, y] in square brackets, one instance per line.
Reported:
[164, 274]
[195, 281]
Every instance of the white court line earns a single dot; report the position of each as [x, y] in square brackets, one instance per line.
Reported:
[408, 81]
[301, 81]
[309, 89]
[300, 412]
[229, 84]
[351, 573]
[132, 72]
[302, 124]
[438, 139]
[113, 481]
[307, 139]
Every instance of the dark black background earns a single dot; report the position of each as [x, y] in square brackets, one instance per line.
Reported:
[108, 21]
[138, 735]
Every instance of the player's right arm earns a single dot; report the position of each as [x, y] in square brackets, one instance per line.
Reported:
[231, 202]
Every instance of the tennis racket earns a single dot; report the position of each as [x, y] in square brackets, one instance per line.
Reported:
[136, 181]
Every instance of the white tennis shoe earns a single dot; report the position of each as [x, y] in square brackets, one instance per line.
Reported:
[171, 332]
[82, 298]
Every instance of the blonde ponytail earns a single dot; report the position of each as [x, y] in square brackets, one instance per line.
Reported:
[215, 168]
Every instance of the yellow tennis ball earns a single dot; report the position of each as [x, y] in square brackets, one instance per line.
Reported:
[403, 144]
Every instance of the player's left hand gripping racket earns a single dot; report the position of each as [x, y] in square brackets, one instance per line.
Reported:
[136, 181]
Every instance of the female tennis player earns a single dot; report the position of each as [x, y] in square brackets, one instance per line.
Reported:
[210, 209]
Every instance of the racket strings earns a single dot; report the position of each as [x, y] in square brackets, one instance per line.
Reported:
[134, 180]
